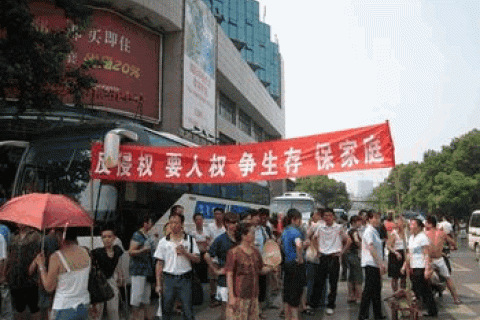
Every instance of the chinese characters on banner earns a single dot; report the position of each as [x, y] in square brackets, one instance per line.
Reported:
[355, 149]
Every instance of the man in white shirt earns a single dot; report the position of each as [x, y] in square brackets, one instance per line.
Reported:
[332, 243]
[175, 254]
[374, 267]
[217, 227]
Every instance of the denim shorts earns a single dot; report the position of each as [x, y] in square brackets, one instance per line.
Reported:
[79, 313]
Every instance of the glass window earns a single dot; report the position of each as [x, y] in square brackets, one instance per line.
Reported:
[245, 122]
[227, 109]
[258, 132]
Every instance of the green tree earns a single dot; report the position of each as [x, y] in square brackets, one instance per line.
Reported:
[446, 180]
[32, 62]
[329, 192]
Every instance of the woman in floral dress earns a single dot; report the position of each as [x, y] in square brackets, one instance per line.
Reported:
[244, 264]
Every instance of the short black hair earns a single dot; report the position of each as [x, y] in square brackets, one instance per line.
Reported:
[219, 209]
[292, 214]
[176, 214]
[175, 207]
[264, 212]
[108, 227]
[242, 229]
[432, 220]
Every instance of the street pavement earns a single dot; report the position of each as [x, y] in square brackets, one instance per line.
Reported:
[343, 311]
[466, 276]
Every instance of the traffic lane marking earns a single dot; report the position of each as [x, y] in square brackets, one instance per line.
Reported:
[458, 267]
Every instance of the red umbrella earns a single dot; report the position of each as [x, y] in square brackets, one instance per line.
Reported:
[44, 210]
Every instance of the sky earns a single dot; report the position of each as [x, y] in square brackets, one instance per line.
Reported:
[351, 63]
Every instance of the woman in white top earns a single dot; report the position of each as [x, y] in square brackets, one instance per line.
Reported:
[420, 263]
[67, 275]
[396, 253]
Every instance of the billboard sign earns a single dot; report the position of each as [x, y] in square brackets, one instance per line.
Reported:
[199, 68]
[128, 79]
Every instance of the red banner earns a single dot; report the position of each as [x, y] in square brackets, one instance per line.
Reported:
[355, 149]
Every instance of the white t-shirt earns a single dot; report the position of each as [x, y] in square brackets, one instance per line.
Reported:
[3, 248]
[173, 263]
[371, 237]
[213, 231]
[199, 237]
[398, 240]
[416, 245]
[329, 238]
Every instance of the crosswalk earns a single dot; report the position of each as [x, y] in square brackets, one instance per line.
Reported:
[463, 312]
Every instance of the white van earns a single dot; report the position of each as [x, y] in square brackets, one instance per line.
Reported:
[474, 233]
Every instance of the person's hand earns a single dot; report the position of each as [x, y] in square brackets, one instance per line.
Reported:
[382, 269]
[231, 301]
[159, 289]
[181, 251]
[220, 271]
[428, 272]
[398, 255]
[40, 259]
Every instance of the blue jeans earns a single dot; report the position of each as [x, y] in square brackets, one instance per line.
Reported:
[181, 289]
[80, 313]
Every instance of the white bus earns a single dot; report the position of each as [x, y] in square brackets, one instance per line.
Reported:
[301, 201]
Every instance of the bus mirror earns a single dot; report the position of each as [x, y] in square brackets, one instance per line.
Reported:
[111, 145]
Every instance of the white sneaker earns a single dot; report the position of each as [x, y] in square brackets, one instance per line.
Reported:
[329, 311]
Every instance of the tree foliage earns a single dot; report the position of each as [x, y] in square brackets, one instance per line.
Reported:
[446, 181]
[329, 192]
[32, 61]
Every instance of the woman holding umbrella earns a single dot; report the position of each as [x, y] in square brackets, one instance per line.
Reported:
[67, 274]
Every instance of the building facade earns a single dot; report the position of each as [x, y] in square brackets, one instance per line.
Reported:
[173, 66]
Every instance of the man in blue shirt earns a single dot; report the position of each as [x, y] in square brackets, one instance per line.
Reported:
[219, 250]
[294, 270]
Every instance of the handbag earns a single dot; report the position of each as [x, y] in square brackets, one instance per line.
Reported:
[98, 287]
[197, 289]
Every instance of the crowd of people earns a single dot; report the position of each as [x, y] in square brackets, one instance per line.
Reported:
[50, 275]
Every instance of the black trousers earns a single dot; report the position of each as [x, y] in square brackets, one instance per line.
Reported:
[329, 268]
[371, 293]
[423, 291]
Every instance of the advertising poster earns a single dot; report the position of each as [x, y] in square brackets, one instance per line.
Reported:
[128, 77]
[199, 68]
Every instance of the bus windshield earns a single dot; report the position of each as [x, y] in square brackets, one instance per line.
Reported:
[302, 205]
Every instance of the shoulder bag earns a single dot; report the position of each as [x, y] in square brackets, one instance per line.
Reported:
[98, 287]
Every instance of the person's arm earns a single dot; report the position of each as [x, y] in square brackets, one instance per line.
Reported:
[347, 242]
[299, 249]
[159, 277]
[231, 288]
[137, 249]
[450, 240]
[49, 278]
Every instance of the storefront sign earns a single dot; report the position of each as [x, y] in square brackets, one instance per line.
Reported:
[128, 79]
[354, 149]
